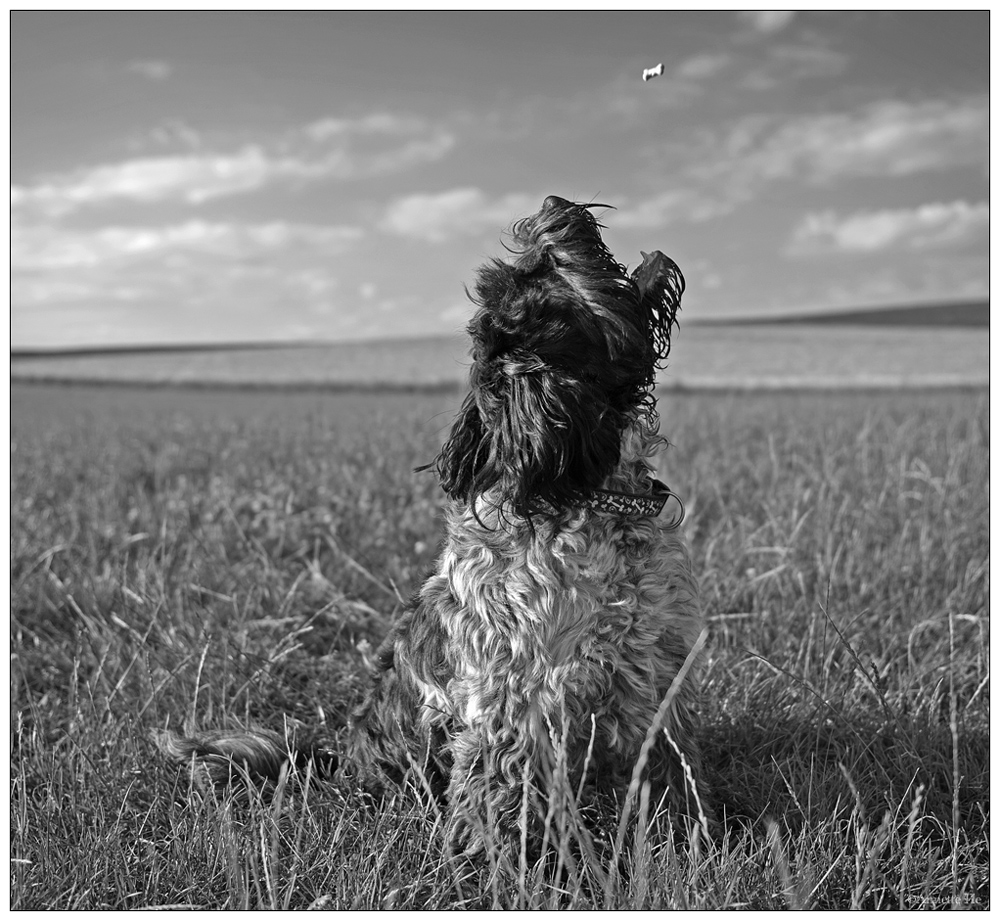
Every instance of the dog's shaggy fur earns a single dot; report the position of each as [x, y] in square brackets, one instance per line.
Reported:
[563, 608]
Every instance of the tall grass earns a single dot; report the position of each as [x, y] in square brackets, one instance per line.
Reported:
[202, 559]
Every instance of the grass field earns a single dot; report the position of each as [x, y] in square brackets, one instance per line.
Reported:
[215, 558]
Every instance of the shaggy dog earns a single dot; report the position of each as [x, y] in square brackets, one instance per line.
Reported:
[563, 613]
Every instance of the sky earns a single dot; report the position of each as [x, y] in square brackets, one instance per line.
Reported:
[194, 177]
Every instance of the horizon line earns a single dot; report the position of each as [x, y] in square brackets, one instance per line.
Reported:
[931, 313]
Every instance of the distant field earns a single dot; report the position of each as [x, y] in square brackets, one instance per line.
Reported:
[974, 314]
[418, 363]
[216, 557]
[751, 357]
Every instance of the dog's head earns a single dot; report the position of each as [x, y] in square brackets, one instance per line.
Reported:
[565, 347]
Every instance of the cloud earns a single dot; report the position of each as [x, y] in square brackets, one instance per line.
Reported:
[669, 207]
[328, 150]
[458, 212]
[702, 66]
[711, 172]
[930, 277]
[376, 123]
[885, 139]
[191, 280]
[787, 62]
[930, 226]
[158, 71]
[47, 248]
[766, 21]
[194, 178]
[170, 134]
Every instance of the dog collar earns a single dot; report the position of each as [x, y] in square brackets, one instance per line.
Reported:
[638, 505]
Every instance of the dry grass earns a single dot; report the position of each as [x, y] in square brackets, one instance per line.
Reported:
[216, 558]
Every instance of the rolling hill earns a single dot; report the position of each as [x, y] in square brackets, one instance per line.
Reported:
[964, 314]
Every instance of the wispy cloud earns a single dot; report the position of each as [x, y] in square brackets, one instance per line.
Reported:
[931, 277]
[713, 172]
[49, 247]
[882, 139]
[930, 226]
[758, 67]
[171, 134]
[157, 71]
[784, 63]
[324, 150]
[669, 207]
[702, 66]
[193, 178]
[189, 280]
[440, 216]
[766, 21]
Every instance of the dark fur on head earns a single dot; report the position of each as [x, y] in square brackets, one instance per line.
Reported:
[565, 347]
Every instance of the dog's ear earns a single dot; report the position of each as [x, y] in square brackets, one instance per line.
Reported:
[660, 285]
[533, 436]
[460, 459]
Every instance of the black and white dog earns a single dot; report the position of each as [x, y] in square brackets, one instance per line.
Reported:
[563, 610]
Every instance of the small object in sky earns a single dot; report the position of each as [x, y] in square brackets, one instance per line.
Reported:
[651, 72]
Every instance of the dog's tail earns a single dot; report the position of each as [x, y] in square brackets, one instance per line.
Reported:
[245, 757]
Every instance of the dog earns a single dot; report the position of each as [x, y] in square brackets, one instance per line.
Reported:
[563, 614]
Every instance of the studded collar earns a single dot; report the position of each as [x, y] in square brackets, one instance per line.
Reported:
[638, 505]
